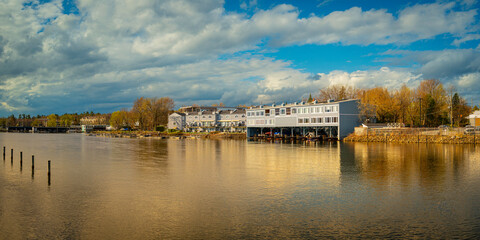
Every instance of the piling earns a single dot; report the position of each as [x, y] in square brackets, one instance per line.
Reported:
[33, 163]
[48, 172]
[3, 153]
[11, 155]
[21, 160]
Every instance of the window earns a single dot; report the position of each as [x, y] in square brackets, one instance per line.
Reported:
[288, 111]
[294, 110]
[334, 119]
[319, 120]
[261, 113]
[300, 120]
[313, 120]
[327, 120]
[277, 111]
[321, 109]
[335, 109]
[267, 112]
[283, 111]
[306, 120]
[328, 109]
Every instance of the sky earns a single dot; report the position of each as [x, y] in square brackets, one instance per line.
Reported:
[87, 55]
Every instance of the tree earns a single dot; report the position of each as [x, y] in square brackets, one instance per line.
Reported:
[338, 92]
[378, 102]
[150, 112]
[439, 113]
[310, 99]
[66, 120]
[11, 121]
[475, 108]
[35, 123]
[430, 107]
[52, 120]
[403, 99]
[460, 110]
[119, 119]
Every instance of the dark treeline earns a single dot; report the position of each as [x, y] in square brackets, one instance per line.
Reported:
[146, 114]
[52, 120]
[430, 104]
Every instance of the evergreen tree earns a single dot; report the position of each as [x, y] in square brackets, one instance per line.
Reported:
[310, 99]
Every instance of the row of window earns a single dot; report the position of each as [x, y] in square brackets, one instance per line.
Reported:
[299, 120]
[210, 116]
[318, 120]
[289, 111]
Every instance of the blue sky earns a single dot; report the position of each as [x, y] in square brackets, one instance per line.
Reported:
[74, 56]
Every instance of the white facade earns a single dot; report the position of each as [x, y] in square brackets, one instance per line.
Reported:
[341, 117]
[475, 118]
[209, 121]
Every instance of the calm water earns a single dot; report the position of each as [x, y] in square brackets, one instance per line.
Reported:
[103, 188]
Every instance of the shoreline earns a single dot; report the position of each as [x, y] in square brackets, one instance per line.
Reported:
[414, 138]
[163, 135]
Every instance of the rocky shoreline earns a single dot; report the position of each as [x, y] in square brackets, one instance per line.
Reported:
[163, 135]
[410, 138]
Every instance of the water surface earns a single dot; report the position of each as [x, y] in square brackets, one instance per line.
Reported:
[108, 188]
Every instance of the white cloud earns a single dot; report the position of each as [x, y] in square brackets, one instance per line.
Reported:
[115, 51]
[470, 80]
[384, 77]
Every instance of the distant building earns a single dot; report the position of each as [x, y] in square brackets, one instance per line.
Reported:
[475, 118]
[208, 119]
[176, 121]
[331, 119]
[94, 120]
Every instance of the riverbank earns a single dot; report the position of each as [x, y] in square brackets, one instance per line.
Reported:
[165, 135]
[412, 138]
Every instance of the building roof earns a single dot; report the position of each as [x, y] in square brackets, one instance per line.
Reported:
[300, 104]
[234, 111]
[475, 114]
[179, 113]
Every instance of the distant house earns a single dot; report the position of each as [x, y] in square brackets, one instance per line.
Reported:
[176, 121]
[94, 120]
[208, 119]
[475, 118]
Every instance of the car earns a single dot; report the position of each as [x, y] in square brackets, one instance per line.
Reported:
[469, 131]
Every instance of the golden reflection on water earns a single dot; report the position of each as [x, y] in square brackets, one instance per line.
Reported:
[149, 189]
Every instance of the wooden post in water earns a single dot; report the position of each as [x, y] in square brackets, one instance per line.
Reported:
[33, 163]
[48, 172]
[3, 153]
[11, 155]
[21, 160]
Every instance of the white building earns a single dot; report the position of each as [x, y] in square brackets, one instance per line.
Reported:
[475, 118]
[209, 120]
[333, 119]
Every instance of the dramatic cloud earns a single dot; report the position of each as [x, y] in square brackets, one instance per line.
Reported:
[106, 53]
[384, 77]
